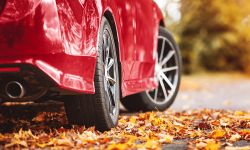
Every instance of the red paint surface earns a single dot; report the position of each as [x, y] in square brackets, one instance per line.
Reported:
[9, 70]
[60, 38]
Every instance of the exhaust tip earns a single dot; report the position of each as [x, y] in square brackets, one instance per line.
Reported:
[15, 90]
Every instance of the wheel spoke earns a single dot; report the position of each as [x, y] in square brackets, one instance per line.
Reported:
[105, 43]
[108, 102]
[163, 88]
[107, 50]
[112, 92]
[156, 94]
[164, 70]
[162, 50]
[111, 96]
[168, 57]
[110, 63]
[107, 56]
[165, 78]
[111, 80]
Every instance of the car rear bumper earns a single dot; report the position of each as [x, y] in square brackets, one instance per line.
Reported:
[70, 73]
[44, 37]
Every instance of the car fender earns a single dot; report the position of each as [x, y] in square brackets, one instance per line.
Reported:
[158, 13]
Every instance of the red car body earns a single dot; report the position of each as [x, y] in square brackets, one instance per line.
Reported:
[58, 38]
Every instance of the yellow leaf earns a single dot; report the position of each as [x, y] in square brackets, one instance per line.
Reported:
[42, 145]
[213, 145]
[151, 117]
[218, 133]
[117, 147]
[32, 135]
[122, 121]
[132, 120]
[17, 143]
[156, 121]
[239, 113]
[151, 144]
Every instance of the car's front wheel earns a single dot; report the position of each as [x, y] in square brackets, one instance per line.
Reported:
[168, 74]
[101, 109]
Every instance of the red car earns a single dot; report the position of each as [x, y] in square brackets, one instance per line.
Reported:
[89, 53]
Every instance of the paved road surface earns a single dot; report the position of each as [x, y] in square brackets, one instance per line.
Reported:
[216, 91]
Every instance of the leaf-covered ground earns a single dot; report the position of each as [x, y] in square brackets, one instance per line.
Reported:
[22, 127]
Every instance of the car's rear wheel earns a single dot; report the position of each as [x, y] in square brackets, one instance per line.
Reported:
[168, 74]
[101, 109]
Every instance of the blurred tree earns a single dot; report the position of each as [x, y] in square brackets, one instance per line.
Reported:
[215, 34]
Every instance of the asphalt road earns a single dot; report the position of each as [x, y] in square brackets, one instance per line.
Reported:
[214, 91]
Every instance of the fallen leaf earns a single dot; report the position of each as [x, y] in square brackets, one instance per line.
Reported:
[218, 133]
[213, 145]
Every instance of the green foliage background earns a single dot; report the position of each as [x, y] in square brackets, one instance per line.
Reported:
[214, 35]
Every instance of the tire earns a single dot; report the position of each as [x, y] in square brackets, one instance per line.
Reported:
[149, 100]
[101, 109]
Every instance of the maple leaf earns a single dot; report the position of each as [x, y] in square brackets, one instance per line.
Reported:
[218, 133]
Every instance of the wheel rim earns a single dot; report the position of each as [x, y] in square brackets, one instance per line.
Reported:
[166, 72]
[110, 74]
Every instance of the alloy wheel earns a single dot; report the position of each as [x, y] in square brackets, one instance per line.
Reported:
[110, 74]
[166, 72]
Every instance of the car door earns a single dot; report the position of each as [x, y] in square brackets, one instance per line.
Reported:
[127, 22]
[145, 38]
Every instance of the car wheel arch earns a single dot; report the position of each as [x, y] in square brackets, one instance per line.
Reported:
[108, 15]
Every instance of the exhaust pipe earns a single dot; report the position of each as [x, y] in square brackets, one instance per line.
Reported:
[14, 90]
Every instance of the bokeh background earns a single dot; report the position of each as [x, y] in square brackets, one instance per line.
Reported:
[213, 35]
[214, 39]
